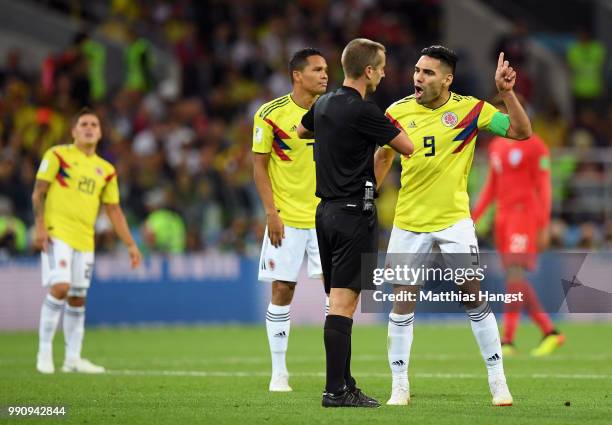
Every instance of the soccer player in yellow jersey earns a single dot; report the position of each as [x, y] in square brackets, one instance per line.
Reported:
[284, 173]
[70, 184]
[433, 204]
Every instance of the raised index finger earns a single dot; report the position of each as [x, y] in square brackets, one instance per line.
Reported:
[500, 59]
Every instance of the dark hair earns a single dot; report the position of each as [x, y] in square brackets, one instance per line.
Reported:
[299, 60]
[83, 111]
[358, 54]
[444, 54]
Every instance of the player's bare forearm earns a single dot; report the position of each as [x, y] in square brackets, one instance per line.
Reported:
[39, 196]
[116, 217]
[304, 133]
[383, 160]
[262, 181]
[505, 78]
[276, 227]
[402, 144]
[520, 126]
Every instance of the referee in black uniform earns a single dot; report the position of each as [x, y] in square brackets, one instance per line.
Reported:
[347, 131]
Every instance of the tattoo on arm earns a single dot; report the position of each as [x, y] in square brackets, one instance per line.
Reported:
[38, 198]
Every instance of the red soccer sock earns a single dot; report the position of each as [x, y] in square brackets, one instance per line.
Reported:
[536, 311]
[512, 313]
[511, 322]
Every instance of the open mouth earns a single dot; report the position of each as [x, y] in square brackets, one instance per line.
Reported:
[418, 92]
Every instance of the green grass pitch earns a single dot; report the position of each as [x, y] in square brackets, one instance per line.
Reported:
[219, 375]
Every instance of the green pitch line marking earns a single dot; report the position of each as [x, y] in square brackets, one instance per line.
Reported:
[363, 358]
[221, 374]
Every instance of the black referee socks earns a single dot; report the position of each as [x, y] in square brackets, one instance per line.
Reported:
[337, 336]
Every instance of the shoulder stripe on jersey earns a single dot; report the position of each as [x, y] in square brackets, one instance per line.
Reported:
[109, 177]
[62, 174]
[474, 113]
[275, 104]
[62, 161]
[470, 127]
[278, 149]
[277, 143]
[274, 108]
[277, 130]
[270, 104]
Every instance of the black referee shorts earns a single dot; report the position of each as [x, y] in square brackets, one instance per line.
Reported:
[345, 232]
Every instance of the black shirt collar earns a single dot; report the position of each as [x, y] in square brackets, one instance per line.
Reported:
[348, 89]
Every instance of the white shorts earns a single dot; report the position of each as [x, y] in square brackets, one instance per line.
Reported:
[284, 263]
[460, 238]
[63, 264]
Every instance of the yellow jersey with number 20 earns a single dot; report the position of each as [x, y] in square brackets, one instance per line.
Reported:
[78, 184]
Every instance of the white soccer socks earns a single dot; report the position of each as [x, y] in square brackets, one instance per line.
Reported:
[74, 330]
[278, 324]
[484, 327]
[399, 342]
[49, 318]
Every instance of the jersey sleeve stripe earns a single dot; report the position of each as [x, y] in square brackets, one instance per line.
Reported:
[473, 114]
[109, 177]
[279, 150]
[62, 174]
[467, 135]
[277, 130]
[470, 127]
[63, 163]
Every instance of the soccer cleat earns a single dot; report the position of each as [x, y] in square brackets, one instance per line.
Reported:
[500, 392]
[280, 383]
[349, 398]
[549, 344]
[508, 349]
[400, 394]
[44, 363]
[363, 397]
[82, 366]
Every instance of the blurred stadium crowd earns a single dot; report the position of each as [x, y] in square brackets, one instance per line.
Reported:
[183, 154]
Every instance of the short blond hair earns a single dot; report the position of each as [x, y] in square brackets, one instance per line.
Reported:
[359, 54]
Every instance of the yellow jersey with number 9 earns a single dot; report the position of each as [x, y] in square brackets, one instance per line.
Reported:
[78, 184]
[291, 167]
[433, 194]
